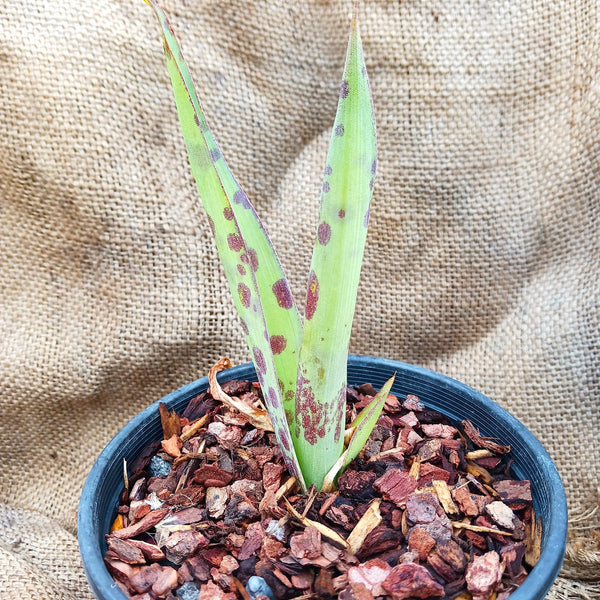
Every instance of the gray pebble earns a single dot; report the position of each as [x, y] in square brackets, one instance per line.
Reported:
[159, 467]
[257, 586]
[188, 591]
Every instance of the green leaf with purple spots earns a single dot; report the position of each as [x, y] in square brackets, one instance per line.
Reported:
[259, 288]
[335, 270]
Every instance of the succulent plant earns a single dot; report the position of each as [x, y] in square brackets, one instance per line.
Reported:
[300, 363]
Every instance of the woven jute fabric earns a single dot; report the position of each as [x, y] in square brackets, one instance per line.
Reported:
[483, 255]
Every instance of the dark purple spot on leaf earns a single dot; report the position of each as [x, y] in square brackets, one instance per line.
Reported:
[228, 213]
[340, 413]
[244, 258]
[344, 89]
[241, 270]
[324, 233]
[328, 170]
[244, 327]
[240, 198]
[341, 213]
[215, 155]
[235, 242]
[278, 344]
[312, 295]
[371, 184]
[284, 439]
[244, 292]
[325, 187]
[283, 294]
[259, 361]
[253, 259]
[367, 215]
[374, 167]
[197, 119]
[339, 130]
[309, 413]
[273, 398]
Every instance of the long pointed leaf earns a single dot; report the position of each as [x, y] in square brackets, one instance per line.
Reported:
[258, 286]
[366, 421]
[361, 429]
[335, 271]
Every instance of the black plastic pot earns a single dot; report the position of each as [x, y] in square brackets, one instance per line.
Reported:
[97, 507]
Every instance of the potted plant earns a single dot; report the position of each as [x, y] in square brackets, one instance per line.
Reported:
[302, 370]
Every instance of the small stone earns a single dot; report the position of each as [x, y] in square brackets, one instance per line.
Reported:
[483, 575]
[257, 586]
[501, 513]
[216, 500]
[159, 467]
[306, 544]
[371, 574]
[420, 541]
[181, 544]
[228, 565]
[188, 591]
[276, 530]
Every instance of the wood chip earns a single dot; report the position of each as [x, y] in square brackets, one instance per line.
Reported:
[172, 445]
[411, 581]
[306, 544]
[327, 503]
[514, 491]
[475, 454]
[211, 476]
[150, 520]
[396, 485]
[170, 421]
[257, 416]
[483, 442]
[534, 548]
[368, 522]
[124, 551]
[466, 500]
[429, 473]
[285, 488]
[323, 529]
[192, 429]
[479, 472]
[479, 528]
[117, 524]
[415, 469]
[444, 496]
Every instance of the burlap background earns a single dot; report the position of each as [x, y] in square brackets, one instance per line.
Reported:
[483, 254]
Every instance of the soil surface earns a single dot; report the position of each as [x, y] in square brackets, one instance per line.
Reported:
[427, 510]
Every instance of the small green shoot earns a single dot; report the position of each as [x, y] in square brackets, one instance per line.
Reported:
[300, 364]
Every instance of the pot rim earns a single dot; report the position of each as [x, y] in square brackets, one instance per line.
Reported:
[538, 581]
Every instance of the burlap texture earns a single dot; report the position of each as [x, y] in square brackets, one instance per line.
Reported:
[482, 260]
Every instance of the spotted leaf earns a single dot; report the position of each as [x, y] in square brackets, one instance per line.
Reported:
[253, 271]
[335, 270]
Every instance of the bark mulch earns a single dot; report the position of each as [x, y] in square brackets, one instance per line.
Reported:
[427, 510]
